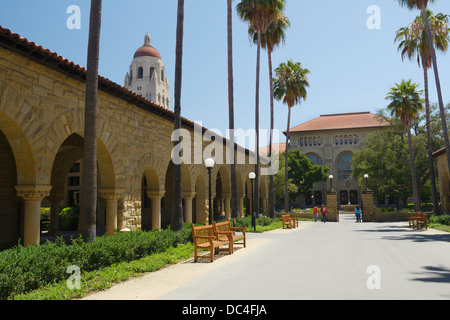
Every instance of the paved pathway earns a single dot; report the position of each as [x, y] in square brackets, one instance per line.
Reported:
[317, 261]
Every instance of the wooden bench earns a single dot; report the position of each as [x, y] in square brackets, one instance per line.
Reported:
[295, 220]
[412, 220]
[287, 222]
[223, 231]
[422, 221]
[204, 239]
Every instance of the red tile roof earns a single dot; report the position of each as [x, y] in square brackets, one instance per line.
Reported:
[276, 148]
[342, 121]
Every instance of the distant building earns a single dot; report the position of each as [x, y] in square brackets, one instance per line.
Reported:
[147, 75]
[444, 179]
[331, 140]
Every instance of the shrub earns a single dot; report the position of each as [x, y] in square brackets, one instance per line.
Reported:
[23, 269]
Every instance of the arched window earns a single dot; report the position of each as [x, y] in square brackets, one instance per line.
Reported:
[301, 142]
[162, 74]
[152, 70]
[345, 139]
[344, 166]
[336, 139]
[140, 73]
[314, 158]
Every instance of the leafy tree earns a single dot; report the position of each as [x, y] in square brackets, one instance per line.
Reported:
[302, 175]
[234, 195]
[422, 6]
[275, 34]
[290, 86]
[88, 193]
[405, 104]
[414, 44]
[259, 14]
[177, 214]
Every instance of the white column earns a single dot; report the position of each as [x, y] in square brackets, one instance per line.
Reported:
[32, 196]
[227, 199]
[111, 196]
[241, 204]
[155, 197]
[188, 196]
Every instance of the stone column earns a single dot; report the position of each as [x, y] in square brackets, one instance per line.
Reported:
[155, 197]
[241, 204]
[32, 196]
[332, 206]
[369, 210]
[188, 196]
[227, 199]
[111, 196]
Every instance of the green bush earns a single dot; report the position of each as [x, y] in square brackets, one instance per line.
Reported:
[442, 219]
[23, 269]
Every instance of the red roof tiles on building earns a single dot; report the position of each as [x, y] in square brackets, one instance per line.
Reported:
[342, 121]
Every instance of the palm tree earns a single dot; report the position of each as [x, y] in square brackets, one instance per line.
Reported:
[177, 214]
[88, 192]
[414, 44]
[259, 14]
[290, 86]
[422, 6]
[405, 104]
[274, 35]
[234, 195]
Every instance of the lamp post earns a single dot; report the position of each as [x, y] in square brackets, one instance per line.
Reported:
[331, 182]
[209, 163]
[252, 177]
[366, 176]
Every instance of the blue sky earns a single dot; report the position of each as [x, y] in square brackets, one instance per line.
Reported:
[352, 67]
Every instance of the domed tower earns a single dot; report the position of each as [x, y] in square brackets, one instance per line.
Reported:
[147, 75]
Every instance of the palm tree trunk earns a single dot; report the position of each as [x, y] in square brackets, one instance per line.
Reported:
[88, 194]
[177, 214]
[234, 196]
[286, 194]
[271, 188]
[429, 147]
[438, 84]
[256, 191]
[413, 174]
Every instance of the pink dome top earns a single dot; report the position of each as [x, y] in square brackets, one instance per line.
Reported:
[147, 51]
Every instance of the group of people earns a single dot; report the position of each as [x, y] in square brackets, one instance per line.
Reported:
[323, 211]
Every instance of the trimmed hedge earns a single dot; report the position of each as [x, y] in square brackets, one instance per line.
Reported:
[23, 269]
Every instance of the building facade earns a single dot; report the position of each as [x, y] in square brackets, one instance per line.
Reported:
[331, 140]
[147, 75]
[42, 101]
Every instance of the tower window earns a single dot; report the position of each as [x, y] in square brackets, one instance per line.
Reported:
[140, 73]
[152, 70]
[162, 75]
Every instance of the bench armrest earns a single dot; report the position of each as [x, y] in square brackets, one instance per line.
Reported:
[239, 229]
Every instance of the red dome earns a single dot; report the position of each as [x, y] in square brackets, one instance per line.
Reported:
[147, 51]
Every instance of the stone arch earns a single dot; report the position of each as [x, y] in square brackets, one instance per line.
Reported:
[9, 202]
[22, 128]
[186, 188]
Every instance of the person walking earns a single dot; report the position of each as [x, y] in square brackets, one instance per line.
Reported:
[316, 215]
[324, 212]
[358, 214]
